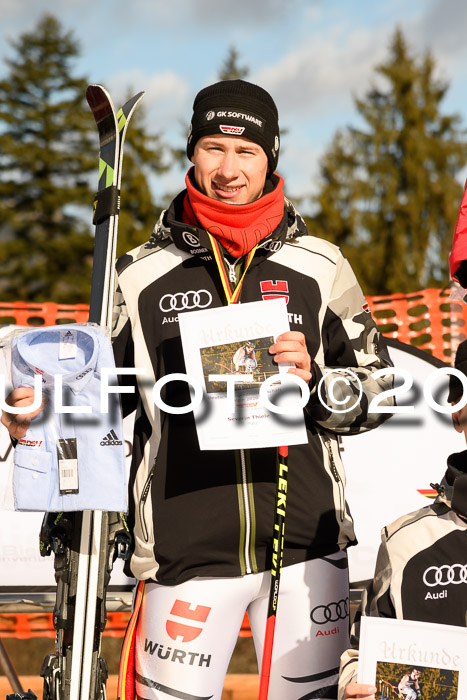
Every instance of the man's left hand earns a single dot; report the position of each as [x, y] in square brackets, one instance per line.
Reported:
[291, 347]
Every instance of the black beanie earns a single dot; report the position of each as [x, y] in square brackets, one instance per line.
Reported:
[460, 363]
[237, 108]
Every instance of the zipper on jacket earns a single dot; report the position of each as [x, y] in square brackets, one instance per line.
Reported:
[246, 501]
[336, 475]
[142, 501]
[232, 267]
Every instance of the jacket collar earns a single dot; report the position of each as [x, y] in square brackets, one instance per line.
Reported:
[453, 487]
[195, 241]
[31, 355]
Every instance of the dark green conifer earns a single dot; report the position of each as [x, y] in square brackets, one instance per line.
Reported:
[389, 192]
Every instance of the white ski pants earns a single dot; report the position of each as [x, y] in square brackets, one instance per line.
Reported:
[187, 633]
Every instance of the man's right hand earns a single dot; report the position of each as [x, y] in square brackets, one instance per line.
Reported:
[18, 424]
[359, 690]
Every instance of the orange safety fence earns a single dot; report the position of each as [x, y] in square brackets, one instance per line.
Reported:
[26, 625]
[428, 319]
[29, 625]
[23, 313]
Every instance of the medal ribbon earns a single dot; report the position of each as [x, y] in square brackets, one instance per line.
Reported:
[232, 296]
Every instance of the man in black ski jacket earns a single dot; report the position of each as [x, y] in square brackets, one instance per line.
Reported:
[202, 521]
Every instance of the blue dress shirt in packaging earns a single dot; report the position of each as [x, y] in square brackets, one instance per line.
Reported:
[73, 458]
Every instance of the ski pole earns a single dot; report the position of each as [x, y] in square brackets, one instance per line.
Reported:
[277, 553]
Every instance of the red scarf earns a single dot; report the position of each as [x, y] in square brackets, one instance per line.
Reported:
[237, 227]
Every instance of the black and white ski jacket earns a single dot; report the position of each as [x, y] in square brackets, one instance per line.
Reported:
[421, 566]
[211, 513]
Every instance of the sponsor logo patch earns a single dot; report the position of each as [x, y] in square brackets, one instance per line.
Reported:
[83, 374]
[30, 443]
[229, 129]
[234, 114]
[326, 633]
[178, 656]
[111, 439]
[183, 610]
[436, 596]
[275, 290]
[332, 612]
[428, 493]
[185, 301]
[445, 574]
[272, 245]
[191, 239]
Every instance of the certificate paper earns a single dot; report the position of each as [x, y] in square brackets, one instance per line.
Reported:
[222, 348]
[390, 650]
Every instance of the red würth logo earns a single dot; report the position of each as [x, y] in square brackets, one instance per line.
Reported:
[182, 609]
[275, 290]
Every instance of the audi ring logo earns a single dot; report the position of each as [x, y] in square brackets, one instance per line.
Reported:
[443, 575]
[185, 301]
[332, 612]
[273, 246]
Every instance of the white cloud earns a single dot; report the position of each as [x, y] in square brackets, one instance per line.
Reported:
[441, 30]
[167, 97]
[320, 76]
[21, 16]
[299, 166]
[443, 26]
[13, 10]
[242, 12]
[208, 13]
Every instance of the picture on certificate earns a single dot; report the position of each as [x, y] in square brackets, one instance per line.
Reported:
[248, 399]
[395, 680]
[250, 357]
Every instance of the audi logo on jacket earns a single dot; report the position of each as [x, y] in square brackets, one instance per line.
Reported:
[210, 513]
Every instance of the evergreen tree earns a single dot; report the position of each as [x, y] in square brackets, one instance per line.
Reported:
[230, 69]
[388, 192]
[48, 173]
[46, 155]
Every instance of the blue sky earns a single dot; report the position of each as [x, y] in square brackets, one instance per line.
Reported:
[313, 56]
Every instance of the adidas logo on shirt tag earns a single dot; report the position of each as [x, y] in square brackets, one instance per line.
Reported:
[111, 439]
[68, 345]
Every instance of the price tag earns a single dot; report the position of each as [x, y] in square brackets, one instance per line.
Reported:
[67, 454]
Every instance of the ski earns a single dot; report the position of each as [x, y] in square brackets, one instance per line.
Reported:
[86, 544]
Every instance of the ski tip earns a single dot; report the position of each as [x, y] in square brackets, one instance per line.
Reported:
[95, 89]
[99, 101]
[133, 101]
